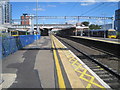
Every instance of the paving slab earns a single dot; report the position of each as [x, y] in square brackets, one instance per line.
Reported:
[31, 67]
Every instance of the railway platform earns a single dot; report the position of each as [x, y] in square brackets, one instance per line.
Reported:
[107, 45]
[47, 63]
[107, 40]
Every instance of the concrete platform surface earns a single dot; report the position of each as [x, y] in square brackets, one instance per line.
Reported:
[47, 63]
[31, 67]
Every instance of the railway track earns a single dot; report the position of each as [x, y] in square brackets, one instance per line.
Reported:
[97, 61]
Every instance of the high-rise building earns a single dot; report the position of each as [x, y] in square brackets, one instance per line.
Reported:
[1, 14]
[117, 18]
[5, 12]
[119, 4]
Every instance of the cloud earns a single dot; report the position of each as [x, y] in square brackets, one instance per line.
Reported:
[83, 4]
[112, 0]
[39, 9]
[71, 21]
[100, 22]
[62, 2]
[87, 3]
[51, 5]
[65, 0]
[89, 0]
[100, 0]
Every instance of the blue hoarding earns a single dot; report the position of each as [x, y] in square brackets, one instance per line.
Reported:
[9, 45]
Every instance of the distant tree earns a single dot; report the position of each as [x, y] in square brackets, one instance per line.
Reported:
[85, 23]
[93, 26]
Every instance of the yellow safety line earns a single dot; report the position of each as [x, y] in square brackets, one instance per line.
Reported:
[90, 82]
[101, 40]
[59, 72]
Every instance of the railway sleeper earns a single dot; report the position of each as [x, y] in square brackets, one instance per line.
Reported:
[97, 70]
[115, 86]
[102, 72]
[106, 75]
[110, 80]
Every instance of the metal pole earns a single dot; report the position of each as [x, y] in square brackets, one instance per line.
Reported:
[76, 33]
[37, 17]
[78, 19]
[65, 20]
[32, 24]
[113, 22]
[104, 27]
[81, 33]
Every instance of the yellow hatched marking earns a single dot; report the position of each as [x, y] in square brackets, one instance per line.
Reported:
[84, 73]
[89, 86]
[74, 62]
[68, 54]
[72, 58]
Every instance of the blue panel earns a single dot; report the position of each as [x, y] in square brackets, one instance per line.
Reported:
[12, 44]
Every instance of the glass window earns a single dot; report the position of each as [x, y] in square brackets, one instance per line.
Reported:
[13, 33]
[111, 32]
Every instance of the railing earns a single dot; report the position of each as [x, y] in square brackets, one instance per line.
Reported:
[9, 45]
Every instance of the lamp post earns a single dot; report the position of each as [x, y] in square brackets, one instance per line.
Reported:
[104, 26]
[37, 17]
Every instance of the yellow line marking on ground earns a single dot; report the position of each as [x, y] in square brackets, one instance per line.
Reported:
[73, 59]
[72, 76]
[74, 62]
[59, 72]
[90, 82]
[100, 40]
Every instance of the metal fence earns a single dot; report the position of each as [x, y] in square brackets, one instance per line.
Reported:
[9, 45]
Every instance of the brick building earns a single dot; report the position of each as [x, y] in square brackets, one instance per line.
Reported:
[25, 19]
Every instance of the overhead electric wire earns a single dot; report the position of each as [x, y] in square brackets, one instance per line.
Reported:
[96, 10]
[88, 11]
[75, 4]
[91, 9]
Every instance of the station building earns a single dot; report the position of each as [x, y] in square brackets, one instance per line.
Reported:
[117, 18]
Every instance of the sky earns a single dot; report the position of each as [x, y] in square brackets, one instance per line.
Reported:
[64, 0]
[65, 9]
